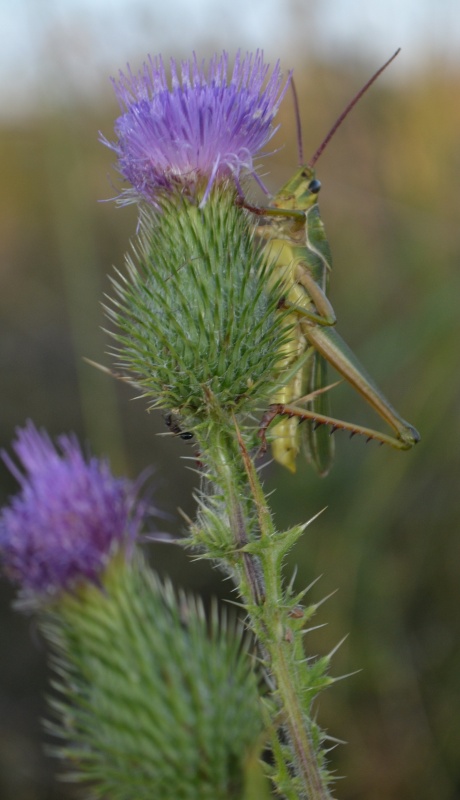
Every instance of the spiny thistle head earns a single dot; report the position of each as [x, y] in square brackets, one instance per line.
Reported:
[155, 701]
[200, 128]
[198, 326]
[198, 314]
[71, 516]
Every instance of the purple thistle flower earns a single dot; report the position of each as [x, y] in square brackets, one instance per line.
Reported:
[203, 128]
[70, 517]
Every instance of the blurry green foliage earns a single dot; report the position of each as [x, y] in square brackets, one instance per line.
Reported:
[388, 540]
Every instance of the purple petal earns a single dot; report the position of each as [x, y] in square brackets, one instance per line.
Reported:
[202, 126]
[69, 518]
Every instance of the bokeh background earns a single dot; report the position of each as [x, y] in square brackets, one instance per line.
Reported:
[388, 541]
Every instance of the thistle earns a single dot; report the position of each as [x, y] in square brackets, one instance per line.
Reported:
[197, 130]
[195, 323]
[199, 328]
[70, 518]
[149, 699]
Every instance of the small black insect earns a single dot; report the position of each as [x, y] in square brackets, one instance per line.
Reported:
[175, 428]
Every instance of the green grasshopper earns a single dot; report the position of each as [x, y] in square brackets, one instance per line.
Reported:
[297, 246]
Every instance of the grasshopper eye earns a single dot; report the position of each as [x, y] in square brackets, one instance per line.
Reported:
[314, 186]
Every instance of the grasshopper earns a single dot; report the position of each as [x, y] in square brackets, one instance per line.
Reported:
[298, 248]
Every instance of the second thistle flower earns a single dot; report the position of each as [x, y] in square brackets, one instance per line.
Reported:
[70, 519]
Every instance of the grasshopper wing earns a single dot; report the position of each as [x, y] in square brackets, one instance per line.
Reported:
[317, 442]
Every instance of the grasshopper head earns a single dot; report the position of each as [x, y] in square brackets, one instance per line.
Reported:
[301, 192]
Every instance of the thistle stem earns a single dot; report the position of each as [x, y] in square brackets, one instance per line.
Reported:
[257, 571]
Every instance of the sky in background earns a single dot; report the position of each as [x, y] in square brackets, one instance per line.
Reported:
[71, 46]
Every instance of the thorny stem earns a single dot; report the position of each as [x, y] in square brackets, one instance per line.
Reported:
[261, 583]
[251, 566]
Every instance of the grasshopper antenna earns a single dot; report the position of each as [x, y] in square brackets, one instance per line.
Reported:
[298, 124]
[347, 110]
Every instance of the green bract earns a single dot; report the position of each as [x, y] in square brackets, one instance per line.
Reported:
[199, 328]
[153, 700]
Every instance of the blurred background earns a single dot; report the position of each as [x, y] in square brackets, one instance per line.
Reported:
[388, 541]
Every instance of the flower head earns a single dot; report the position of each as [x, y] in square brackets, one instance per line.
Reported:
[204, 127]
[69, 518]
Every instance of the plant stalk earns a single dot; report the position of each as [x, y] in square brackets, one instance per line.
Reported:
[257, 571]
